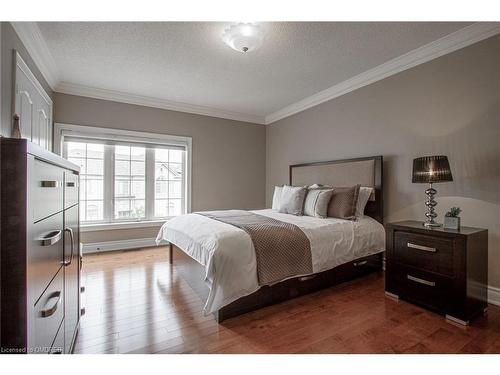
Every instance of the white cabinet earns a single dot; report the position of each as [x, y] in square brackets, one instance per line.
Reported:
[33, 105]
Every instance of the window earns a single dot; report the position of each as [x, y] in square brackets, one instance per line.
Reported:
[90, 158]
[168, 182]
[124, 179]
[130, 182]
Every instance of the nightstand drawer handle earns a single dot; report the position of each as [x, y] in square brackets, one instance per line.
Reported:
[421, 281]
[420, 247]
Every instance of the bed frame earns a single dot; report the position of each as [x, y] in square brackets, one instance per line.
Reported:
[367, 171]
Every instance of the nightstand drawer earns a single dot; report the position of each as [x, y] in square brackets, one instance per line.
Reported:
[428, 289]
[443, 270]
[428, 253]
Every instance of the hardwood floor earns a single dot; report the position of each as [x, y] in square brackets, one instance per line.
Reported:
[136, 302]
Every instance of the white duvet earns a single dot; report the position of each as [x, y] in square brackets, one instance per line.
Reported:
[228, 255]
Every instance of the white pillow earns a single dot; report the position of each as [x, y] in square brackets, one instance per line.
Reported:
[316, 202]
[363, 197]
[292, 200]
[277, 197]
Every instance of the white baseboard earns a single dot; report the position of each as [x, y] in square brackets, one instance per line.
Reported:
[98, 247]
[494, 295]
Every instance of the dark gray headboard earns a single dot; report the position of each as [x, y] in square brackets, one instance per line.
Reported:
[367, 171]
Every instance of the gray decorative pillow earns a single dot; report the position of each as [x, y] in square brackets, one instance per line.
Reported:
[316, 203]
[277, 197]
[343, 202]
[292, 200]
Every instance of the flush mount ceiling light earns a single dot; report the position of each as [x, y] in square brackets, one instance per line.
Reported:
[243, 37]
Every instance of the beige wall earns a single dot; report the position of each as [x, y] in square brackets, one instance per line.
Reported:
[449, 106]
[228, 169]
[10, 42]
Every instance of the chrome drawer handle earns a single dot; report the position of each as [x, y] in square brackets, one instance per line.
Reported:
[52, 309]
[421, 281]
[70, 184]
[420, 247]
[51, 238]
[50, 184]
[362, 263]
[65, 262]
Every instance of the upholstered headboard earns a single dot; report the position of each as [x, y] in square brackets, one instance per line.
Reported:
[365, 171]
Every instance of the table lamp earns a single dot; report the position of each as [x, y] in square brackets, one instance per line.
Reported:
[430, 170]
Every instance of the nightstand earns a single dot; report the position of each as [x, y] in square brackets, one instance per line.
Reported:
[441, 269]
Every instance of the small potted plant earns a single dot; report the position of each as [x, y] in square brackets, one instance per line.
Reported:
[451, 218]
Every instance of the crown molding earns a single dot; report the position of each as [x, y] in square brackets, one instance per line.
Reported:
[35, 44]
[33, 40]
[118, 96]
[447, 44]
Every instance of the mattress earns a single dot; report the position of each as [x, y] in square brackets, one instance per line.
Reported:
[228, 255]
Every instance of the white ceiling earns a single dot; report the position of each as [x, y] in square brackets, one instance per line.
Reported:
[188, 62]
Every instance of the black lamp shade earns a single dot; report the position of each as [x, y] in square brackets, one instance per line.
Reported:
[430, 169]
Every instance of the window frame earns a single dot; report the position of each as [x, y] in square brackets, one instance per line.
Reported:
[62, 130]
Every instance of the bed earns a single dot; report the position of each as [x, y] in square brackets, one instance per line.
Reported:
[218, 259]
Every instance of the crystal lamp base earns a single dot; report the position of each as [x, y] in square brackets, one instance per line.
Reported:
[431, 203]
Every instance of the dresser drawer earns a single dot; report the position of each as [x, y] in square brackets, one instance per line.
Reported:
[45, 254]
[429, 289]
[428, 253]
[70, 189]
[48, 315]
[47, 190]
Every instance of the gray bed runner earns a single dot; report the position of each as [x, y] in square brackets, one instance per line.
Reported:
[282, 249]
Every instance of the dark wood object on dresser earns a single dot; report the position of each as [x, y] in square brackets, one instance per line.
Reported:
[443, 270]
[40, 260]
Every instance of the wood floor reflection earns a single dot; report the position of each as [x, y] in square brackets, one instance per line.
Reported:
[136, 303]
